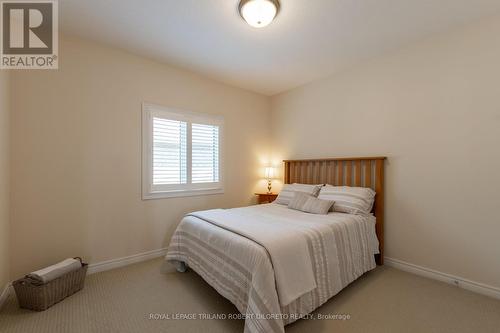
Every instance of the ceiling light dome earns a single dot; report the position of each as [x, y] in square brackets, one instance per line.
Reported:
[259, 13]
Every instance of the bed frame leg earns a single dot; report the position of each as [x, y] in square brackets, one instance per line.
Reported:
[180, 266]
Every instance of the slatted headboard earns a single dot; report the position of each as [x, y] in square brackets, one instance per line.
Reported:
[352, 171]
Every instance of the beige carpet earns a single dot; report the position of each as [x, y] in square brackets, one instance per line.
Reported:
[384, 300]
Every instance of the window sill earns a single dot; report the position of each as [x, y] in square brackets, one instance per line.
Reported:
[178, 194]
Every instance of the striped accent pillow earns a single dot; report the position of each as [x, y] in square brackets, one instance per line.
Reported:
[310, 204]
[289, 190]
[352, 200]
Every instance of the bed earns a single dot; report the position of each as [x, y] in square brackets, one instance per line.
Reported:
[280, 264]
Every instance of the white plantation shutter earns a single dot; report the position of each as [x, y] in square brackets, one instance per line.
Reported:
[181, 153]
[205, 153]
[169, 151]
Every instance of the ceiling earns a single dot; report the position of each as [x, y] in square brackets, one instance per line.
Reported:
[308, 40]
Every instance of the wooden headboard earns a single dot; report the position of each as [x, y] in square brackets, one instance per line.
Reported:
[346, 171]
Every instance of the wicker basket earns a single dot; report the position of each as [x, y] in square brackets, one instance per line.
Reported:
[39, 297]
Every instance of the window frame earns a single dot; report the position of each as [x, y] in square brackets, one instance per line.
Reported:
[149, 191]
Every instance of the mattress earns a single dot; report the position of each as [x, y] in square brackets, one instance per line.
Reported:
[341, 246]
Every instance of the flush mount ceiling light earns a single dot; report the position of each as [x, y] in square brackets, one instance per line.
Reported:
[259, 13]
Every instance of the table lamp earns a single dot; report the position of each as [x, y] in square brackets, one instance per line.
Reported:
[270, 174]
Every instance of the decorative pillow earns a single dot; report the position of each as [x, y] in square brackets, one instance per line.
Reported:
[288, 191]
[310, 204]
[352, 200]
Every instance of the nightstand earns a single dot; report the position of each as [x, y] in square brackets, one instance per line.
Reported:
[263, 198]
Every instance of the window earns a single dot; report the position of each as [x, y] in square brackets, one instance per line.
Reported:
[181, 153]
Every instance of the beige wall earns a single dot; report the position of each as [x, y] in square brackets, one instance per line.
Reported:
[76, 158]
[4, 179]
[434, 110]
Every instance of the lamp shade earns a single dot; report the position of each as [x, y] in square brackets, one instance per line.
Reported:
[270, 172]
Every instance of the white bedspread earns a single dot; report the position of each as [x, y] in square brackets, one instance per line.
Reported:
[240, 269]
[285, 242]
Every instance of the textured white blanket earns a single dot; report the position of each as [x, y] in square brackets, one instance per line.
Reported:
[242, 271]
[284, 241]
[50, 273]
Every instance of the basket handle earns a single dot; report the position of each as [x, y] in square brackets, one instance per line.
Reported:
[81, 260]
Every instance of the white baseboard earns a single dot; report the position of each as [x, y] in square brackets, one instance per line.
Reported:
[124, 261]
[473, 286]
[460, 282]
[5, 293]
[103, 266]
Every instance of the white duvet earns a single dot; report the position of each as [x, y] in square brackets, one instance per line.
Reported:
[285, 241]
[275, 264]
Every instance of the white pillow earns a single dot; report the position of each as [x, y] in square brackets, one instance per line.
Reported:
[289, 190]
[310, 204]
[352, 200]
